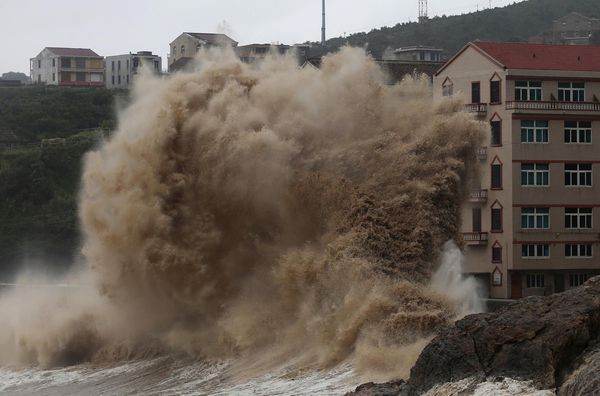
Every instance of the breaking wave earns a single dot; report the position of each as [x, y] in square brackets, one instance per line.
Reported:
[265, 212]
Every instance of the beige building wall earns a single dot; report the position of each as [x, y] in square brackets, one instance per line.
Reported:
[472, 66]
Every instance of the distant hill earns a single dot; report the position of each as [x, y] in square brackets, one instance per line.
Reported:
[516, 22]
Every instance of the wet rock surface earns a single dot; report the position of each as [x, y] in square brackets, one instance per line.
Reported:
[552, 341]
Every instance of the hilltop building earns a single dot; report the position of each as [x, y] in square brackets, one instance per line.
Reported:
[68, 67]
[532, 226]
[187, 45]
[415, 53]
[255, 52]
[573, 28]
[122, 69]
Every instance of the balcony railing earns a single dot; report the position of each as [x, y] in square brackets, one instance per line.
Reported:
[475, 238]
[561, 106]
[478, 196]
[476, 108]
[482, 153]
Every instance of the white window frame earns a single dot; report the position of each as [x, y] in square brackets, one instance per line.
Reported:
[571, 91]
[579, 250]
[537, 216]
[578, 131]
[536, 173]
[579, 215]
[528, 91]
[535, 281]
[578, 175]
[537, 130]
[535, 251]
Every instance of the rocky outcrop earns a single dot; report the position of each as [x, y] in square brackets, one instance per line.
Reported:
[552, 341]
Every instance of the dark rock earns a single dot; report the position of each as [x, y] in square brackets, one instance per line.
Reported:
[537, 338]
[585, 380]
[394, 388]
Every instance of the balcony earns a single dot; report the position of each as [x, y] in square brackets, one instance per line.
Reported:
[477, 108]
[554, 106]
[478, 196]
[482, 153]
[475, 238]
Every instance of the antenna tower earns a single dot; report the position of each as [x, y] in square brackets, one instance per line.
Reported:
[423, 10]
[323, 36]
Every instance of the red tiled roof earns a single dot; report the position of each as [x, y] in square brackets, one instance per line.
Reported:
[86, 52]
[543, 57]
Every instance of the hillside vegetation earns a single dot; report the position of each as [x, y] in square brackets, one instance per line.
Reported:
[516, 22]
[35, 113]
[39, 183]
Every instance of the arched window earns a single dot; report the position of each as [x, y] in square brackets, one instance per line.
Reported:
[183, 50]
[497, 217]
[496, 131]
[496, 253]
[448, 87]
[496, 173]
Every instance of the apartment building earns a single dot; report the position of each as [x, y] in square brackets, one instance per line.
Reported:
[121, 70]
[68, 67]
[255, 52]
[187, 45]
[532, 224]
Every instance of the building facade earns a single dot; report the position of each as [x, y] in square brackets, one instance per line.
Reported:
[255, 52]
[186, 46]
[121, 70]
[68, 67]
[532, 223]
[415, 53]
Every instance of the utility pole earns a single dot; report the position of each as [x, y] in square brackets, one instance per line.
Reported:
[323, 35]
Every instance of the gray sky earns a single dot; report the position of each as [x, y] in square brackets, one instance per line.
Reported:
[112, 27]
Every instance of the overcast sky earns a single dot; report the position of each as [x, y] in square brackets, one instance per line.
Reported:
[112, 27]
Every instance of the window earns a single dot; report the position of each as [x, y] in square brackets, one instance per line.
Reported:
[119, 80]
[495, 93]
[535, 218]
[535, 251]
[182, 49]
[528, 90]
[535, 280]
[127, 64]
[578, 250]
[118, 65]
[80, 76]
[496, 219]
[53, 76]
[534, 131]
[578, 175]
[571, 91]
[476, 216]
[128, 79]
[578, 132]
[496, 253]
[496, 176]
[66, 62]
[448, 88]
[535, 175]
[113, 80]
[476, 92]
[80, 63]
[496, 133]
[53, 62]
[497, 277]
[112, 67]
[576, 280]
[578, 218]
[39, 62]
